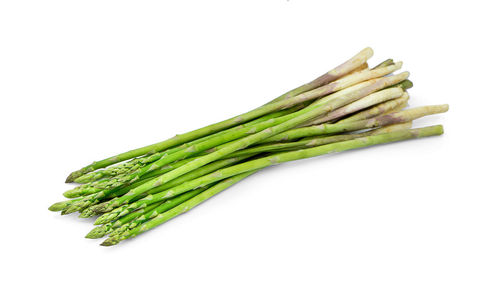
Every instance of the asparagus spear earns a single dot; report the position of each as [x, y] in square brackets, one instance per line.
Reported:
[137, 163]
[398, 117]
[281, 103]
[317, 141]
[246, 168]
[350, 65]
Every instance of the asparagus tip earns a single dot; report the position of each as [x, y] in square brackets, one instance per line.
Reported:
[106, 218]
[87, 213]
[110, 241]
[69, 210]
[70, 178]
[97, 232]
[58, 206]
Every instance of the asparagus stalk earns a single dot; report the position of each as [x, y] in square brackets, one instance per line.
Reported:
[368, 101]
[137, 163]
[317, 141]
[393, 118]
[246, 168]
[281, 103]
[345, 68]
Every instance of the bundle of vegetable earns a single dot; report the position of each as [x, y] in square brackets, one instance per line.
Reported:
[349, 107]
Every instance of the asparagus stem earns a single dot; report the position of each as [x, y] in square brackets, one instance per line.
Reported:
[246, 168]
[317, 141]
[345, 68]
[135, 164]
[399, 117]
[368, 101]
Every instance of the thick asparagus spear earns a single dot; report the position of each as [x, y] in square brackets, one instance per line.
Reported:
[253, 165]
[281, 103]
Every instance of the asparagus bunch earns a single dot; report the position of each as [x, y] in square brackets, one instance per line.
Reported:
[351, 106]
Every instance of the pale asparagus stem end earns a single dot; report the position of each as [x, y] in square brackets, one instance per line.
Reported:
[368, 101]
[384, 63]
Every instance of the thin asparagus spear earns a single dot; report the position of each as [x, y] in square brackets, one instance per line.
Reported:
[272, 160]
[281, 103]
[317, 141]
[137, 163]
[393, 118]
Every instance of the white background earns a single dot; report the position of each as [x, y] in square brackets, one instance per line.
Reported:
[82, 80]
